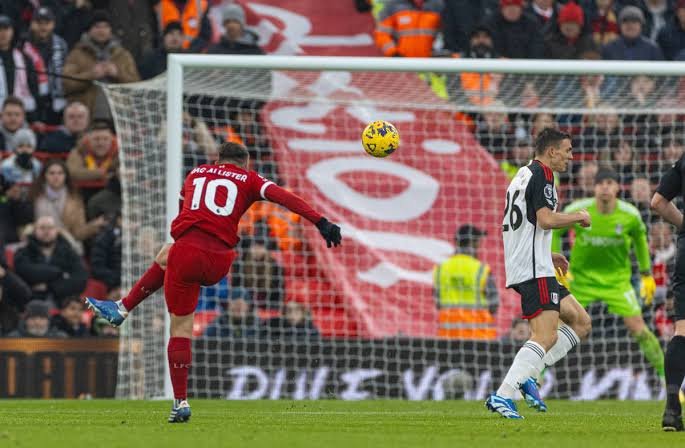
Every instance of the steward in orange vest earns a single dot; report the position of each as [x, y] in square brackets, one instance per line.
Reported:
[408, 27]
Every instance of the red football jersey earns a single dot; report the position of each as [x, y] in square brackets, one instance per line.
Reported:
[215, 197]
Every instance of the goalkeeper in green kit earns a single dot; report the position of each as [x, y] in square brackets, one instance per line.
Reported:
[600, 267]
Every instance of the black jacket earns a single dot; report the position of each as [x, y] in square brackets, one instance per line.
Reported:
[64, 272]
[59, 141]
[519, 40]
[105, 257]
[58, 323]
[15, 291]
[13, 214]
[459, 17]
[247, 44]
[153, 63]
[671, 39]
[557, 45]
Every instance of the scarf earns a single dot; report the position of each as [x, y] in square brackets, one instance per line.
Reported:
[50, 82]
[21, 83]
[53, 204]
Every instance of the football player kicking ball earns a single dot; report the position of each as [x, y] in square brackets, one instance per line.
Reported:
[214, 197]
[529, 217]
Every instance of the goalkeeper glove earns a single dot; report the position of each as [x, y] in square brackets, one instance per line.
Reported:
[647, 288]
[562, 278]
[330, 232]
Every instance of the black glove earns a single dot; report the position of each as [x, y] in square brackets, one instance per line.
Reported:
[330, 232]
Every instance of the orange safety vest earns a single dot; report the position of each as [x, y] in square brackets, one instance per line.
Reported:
[285, 226]
[479, 88]
[191, 19]
[460, 292]
[408, 32]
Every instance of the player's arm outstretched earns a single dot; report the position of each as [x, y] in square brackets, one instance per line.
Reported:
[329, 231]
[548, 219]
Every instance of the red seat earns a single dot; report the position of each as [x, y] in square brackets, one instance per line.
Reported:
[202, 319]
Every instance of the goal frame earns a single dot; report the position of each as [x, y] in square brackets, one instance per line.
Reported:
[177, 63]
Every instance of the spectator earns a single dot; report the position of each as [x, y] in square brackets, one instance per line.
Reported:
[199, 145]
[236, 39]
[69, 320]
[519, 332]
[95, 157]
[458, 18]
[601, 132]
[260, 274]
[21, 167]
[106, 202]
[624, 162]
[631, 45]
[671, 38]
[566, 39]
[541, 121]
[64, 139]
[105, 256]
[408, 27]
[296, 323]
[197, 29]
[16, 211]
[465, 291]
[134, 23]
[36, 323]
[659, 13]
[17, 74]
[239, 321]
[663, 249]
[14, 292]
[604, 22]
[585, 180]
[543, 11]
[640, 196]
[54, 195]
[521, 153]
[13, 118]
[479, 89]
[643, 91]
[516, 35]
[97, 57]
[48, 52]
[49, 264]
[672, 150]
[494, 131]
[154, 62]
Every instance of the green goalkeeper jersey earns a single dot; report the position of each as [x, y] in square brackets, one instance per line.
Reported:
[600, 256]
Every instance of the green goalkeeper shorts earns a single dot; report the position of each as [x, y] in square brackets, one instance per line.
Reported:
[621, 301]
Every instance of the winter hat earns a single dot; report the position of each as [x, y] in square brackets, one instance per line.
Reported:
[631, 13]
[37, 308]
[25, 136]
[571, 13]
[233, 12]
[503, 3]
[99, 16]
[679, 4]
[172, 26]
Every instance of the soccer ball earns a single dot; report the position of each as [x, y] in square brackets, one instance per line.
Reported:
[380, 139]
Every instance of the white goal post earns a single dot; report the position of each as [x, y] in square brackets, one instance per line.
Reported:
[398, 90]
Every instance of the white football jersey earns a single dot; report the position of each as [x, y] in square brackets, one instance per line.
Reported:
[527, 247]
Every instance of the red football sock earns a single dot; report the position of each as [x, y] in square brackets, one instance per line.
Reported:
[148, 284]
[180, 355]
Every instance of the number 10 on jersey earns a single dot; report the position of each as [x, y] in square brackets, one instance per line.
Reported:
[210, 195]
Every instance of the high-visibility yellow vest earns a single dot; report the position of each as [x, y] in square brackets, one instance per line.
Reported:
[459, 284]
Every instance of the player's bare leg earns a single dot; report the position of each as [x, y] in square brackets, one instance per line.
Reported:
[649, 343]
[150, 282]
[180, 356]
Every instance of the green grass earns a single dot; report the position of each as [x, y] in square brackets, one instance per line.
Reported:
[329, 424]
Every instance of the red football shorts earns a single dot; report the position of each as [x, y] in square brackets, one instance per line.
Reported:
[189, 267]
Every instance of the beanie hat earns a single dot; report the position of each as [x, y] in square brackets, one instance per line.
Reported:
[233, 12]
[503, 3]
[172, 26]
[571, 13]
[633, 13]
[99, 16]
[37, 308]
[680, 4]
[24, 136]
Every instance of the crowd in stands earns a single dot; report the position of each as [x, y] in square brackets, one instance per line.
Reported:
[60, 182]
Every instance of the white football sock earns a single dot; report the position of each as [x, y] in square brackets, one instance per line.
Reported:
[527, 363]
[122, 308]
[566, 340]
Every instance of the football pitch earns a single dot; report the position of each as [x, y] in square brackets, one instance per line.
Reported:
[329, 424]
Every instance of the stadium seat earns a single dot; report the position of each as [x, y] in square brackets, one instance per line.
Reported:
[202, 319]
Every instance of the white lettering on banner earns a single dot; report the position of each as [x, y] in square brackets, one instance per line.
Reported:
[278, 381]
[240, 376]
[297, 118]
[324, 146]
[368, 112]
[419, 391]
[330, 82]
[413, 202]
[385, 273]
[297, 28]
[624, 383]
[439, 146]
[354, 379]
[318, 383]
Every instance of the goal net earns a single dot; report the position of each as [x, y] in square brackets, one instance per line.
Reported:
[297, 320]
